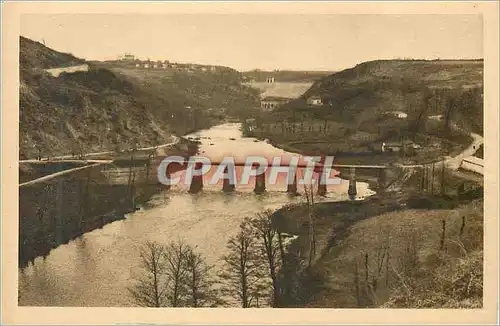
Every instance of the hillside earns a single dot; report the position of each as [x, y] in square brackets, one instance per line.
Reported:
[440, 103]
[400, 85]
[111, 107]
[36, 55]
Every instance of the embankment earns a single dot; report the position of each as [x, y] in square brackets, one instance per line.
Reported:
[365, 249]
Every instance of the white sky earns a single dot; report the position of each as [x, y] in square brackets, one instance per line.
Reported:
[244, 42]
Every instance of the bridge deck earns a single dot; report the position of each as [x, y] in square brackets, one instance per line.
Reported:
[338, 166]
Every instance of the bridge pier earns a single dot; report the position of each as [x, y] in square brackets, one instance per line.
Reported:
[292, 188]
[226, 185]
[382, 179]
[352, 192]
[196, 181]
[322, 185]
[260, 183]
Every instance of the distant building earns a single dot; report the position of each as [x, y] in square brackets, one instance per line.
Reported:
[314, 101]
[128, 57]
[270, 80]
[155, 66]
[406, 146]
[146, 65]
[397, 114]
[250, 124]
[137, 65]
[436, 117]
[474, 164]
[273, 102]
[164, 65]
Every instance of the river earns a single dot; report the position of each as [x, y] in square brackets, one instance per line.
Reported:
[96, 268]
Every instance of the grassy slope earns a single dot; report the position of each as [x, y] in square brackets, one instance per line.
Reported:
[107, 108]
[393, 84]
[209, 94]
[405, 266]
[418, 273]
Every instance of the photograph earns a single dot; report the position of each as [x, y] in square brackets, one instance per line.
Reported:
[260, 160]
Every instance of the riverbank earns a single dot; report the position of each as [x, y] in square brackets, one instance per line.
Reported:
[362, 246]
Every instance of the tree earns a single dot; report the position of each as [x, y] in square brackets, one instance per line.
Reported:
[175, 254]
[417, 123]
[242, 271]
[150, 288]
[269, 246]
[309, 192]
[198, 280]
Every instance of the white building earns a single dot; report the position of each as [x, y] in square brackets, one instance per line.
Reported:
[270, 80]
[314, 101]
[474, 164]
[128, 57]
[398, 114]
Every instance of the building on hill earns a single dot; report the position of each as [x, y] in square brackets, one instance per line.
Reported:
[273, 102]
[314, 101]
[270, 80]
[397, 114]
[128, 57]
[474, 164]
[406, 146]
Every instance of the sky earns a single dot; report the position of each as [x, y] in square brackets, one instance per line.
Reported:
[264, 41]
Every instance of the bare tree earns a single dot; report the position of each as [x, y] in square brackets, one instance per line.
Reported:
[270, 246]
[309, 192]
[242, 270]
[417, 123]
[175, 271]
[150, 288]
[198, 280]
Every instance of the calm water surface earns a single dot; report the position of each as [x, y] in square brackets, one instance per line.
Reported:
[95, 269]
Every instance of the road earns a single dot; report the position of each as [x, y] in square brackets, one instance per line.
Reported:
[452, 163]
[71, 156]
[58, 174]
[96, 162]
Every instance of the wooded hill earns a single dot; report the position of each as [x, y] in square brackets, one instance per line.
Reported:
[402, 85]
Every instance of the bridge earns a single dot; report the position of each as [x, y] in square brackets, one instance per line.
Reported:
[260, 179]
[196, 184]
